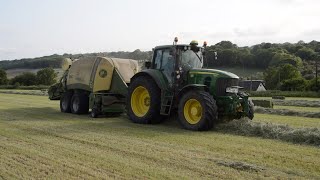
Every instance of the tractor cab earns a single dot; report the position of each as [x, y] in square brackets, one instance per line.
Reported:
[175, 61]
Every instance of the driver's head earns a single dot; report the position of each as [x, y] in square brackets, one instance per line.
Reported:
[194, 45]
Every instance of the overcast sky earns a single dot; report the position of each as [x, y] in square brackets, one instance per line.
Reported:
[33, 28]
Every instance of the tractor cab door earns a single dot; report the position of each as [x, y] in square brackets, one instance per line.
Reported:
[164, 61]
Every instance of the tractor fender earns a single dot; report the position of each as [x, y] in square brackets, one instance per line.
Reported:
[156, 75]
[200, 87]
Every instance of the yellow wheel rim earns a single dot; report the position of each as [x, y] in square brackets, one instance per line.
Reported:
[192, 111]
[140, 101]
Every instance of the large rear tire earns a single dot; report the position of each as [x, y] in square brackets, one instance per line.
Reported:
[197, 111]
[143, 101]
[65, 102]
[79, 104]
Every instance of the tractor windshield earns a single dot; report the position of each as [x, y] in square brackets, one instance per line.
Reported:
[191, 59]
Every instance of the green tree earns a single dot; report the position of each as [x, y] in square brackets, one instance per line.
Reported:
[314, 85]
[3, 77]
[295, 84]
[46, 76]
[281, 58]
[25, 79]
[275, 76]
[271, 77]
[263, 57]
[305, 53]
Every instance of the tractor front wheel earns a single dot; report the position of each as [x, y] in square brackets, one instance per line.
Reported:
[143, 101]
[197, 111]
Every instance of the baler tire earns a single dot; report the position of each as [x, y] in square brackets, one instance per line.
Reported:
[94, 113]
[251, 109]
[152, 110]
[188, 108]
[65, 102]
[80, 100]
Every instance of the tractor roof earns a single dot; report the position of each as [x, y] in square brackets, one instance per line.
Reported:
[169, 46]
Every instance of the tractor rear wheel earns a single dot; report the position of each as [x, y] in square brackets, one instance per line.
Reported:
[65, 102]
[197, 111]
[143, 101]
[79, 103]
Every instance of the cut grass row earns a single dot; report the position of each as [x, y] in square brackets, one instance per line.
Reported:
[294, 121]
[291, 98]
[37, 141]
[298, 108]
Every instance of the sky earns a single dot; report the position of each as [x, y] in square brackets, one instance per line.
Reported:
[34, 28]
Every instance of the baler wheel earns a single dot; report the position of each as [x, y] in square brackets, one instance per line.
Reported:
[79, 103]
[65, 102]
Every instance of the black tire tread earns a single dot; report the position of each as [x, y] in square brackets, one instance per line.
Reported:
[153, 115]
[66, 96]
[84, 103]
[211, 111]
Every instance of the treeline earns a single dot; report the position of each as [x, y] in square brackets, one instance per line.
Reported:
[54, 61]
[45, 76]
[262, 55]
[287, 66]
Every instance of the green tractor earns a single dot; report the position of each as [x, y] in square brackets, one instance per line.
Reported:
[175, 81]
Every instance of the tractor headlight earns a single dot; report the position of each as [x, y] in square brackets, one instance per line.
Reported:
[232, 90]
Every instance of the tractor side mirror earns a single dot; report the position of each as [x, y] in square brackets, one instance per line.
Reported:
[147, 64]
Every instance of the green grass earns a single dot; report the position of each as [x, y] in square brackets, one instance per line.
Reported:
[291, 98]
[298, 108]
[293, 121]
[20, 91]
[37, 141]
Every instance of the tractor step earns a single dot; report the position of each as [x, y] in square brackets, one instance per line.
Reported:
[166, 103]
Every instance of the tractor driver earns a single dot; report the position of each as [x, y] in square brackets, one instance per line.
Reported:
[191, 57]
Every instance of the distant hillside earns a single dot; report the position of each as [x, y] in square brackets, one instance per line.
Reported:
[54, 61]
[11, 73]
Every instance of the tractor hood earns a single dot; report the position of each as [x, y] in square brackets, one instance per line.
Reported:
[215, 72]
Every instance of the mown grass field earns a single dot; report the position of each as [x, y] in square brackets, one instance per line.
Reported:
[291, 98]
[298, 108]
[293, 121]
[37, 141]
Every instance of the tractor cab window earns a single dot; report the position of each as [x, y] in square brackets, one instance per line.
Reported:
[164, 62]
[157, 60]
[191, 59]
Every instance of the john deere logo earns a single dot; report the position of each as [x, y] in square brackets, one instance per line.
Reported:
[102, 73]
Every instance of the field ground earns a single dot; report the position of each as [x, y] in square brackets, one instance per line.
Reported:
[291, 98]
[37, 141]
[298, 108]
[21, 91]
[293, 121]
